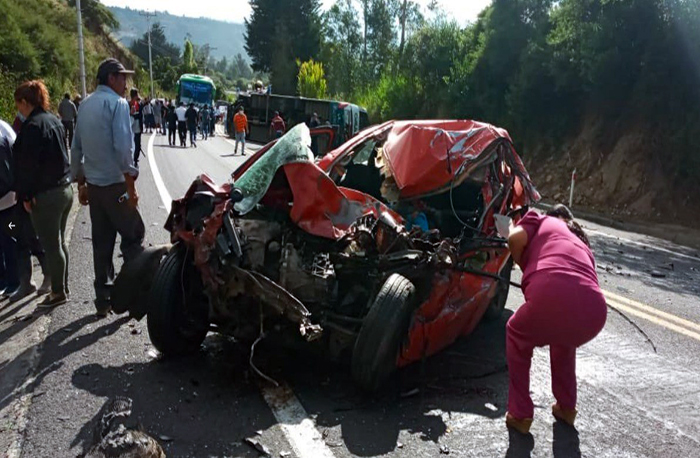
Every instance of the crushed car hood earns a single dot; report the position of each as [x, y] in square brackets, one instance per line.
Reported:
[318, 205]
[426, 157]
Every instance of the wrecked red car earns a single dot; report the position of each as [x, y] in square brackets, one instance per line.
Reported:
[384, 251]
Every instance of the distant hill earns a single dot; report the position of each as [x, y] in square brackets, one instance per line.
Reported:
[226, 37]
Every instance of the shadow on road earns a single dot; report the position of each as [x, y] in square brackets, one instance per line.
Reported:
[470, 377]
[202, 405]
[192, 401]
[566, 443]
[521, 445]
[57, 347]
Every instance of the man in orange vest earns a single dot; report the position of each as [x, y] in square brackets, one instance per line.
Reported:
[240, 126]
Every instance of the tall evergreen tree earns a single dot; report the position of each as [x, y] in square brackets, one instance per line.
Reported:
[160, 46]
[278, 34]
[188, 62]
[342, 46]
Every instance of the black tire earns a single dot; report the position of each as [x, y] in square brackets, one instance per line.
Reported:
[177, 324]
[131, 287]
[498, 303]
[383, 332]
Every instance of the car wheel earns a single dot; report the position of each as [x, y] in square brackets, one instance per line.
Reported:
[131, 287]
[498, 303]
[177, 319]
[383, 331]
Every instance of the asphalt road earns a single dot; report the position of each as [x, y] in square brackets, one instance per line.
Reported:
[633, 402]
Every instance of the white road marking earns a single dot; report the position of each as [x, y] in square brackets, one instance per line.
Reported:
[299, 429]
[651, 247]
[160, 185]
[296, 425]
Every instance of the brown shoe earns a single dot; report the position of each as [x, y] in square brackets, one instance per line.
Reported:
[520, 425]
[566, 415]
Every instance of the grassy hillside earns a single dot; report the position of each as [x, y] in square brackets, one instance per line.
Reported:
[39, 40]
[226, 37]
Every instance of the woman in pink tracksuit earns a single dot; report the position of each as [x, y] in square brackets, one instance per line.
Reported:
[564, 308]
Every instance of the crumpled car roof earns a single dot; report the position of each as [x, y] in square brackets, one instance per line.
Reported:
[426, 156]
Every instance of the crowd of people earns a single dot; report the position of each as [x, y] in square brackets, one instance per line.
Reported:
[36, 191]
[165, 117]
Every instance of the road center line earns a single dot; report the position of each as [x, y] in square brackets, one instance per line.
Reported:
[296, 425]
[655, 320]
[648, 309]
[160, 185]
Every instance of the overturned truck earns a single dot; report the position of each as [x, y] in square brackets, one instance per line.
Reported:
[323, 251]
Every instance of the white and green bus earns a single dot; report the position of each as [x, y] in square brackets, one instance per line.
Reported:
[195, 89]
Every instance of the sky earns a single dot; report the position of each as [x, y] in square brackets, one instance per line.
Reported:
[236, 10]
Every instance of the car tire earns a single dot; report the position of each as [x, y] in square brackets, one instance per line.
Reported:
[176, 326]
[131, 288]
[383, 331]
[498, 303]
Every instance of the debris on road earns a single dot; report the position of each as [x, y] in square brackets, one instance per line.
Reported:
[444, 450]
[257, 445]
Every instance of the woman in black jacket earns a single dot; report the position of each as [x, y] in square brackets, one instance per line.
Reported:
[42, 181]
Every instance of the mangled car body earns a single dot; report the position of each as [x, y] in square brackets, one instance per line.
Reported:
[321, 251]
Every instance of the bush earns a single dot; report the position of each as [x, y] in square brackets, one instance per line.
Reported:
[7, 90]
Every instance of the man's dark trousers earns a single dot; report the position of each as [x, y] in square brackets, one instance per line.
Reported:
[182, 132]
[109, 216]
[137, 148]
[69, 127]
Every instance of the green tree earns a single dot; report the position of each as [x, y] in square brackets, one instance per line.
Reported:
[410, 19]
[160, 46]
[242, 68]
[311, 81]
[164, 73]
[380, 36]
[96, 15]
[188, 63]
[278, 34]
[342, 47]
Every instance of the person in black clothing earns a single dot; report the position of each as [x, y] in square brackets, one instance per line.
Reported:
[314, 122]
[136, 111]
[192, 120]
[42, 182]
[171, 121]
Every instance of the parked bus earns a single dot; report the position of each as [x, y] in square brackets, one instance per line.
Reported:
[195, 89]
[347, 119]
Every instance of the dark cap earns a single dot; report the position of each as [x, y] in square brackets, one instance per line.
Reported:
[109, 66]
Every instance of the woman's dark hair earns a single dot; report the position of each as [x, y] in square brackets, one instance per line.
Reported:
[562, 212]
[35, 93]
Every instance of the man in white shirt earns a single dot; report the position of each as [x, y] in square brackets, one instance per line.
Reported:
[182, 124]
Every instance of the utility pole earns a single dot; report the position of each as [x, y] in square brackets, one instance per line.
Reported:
[81, 50]
[148, 17]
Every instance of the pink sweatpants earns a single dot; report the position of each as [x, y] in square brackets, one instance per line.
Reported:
[560, 312]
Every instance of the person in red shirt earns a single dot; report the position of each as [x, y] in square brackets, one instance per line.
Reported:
[240, 126]
[277, 126]
[564, 308]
